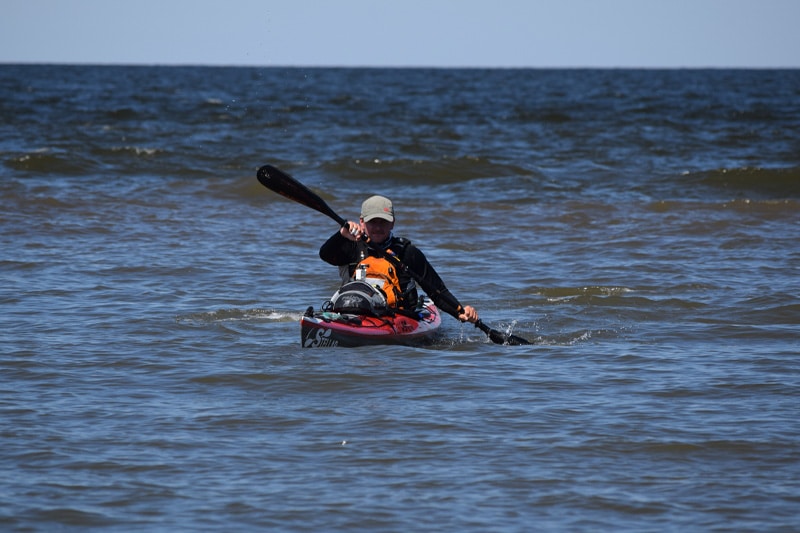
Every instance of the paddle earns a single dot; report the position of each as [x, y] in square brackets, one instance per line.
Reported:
[282, 183]
[500, 338]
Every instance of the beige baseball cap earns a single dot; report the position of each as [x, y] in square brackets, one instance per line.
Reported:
[377, 207]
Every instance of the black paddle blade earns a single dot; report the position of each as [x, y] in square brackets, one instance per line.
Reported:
[500, 338]
[282, 183]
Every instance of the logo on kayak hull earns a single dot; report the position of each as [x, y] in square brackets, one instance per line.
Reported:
[319, 338]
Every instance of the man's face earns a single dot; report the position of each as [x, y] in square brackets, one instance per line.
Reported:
[378, 229]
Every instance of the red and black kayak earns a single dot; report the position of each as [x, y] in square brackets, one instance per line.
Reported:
[328, 328]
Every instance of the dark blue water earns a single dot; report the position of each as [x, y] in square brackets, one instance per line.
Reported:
[639, 227]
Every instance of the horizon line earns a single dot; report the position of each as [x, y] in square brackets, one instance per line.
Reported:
[409, 67]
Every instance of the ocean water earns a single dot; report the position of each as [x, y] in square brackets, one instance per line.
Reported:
[641, 228]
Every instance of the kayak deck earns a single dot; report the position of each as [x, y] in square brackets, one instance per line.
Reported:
[320, 329]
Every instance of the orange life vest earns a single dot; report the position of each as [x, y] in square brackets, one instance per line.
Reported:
[381, 274]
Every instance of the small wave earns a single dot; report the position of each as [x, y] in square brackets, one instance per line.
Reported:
[136, 150]
[566, 339]
[48, 160]
[238, 315]
[573, 338]
[769, 182]
[242, 187]
[429, 171]
[769, 311]
[122, 113]
[764, 206]
[556, 294]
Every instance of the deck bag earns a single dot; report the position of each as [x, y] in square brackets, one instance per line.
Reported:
[359, 298]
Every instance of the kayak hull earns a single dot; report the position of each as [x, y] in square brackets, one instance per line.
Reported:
[321, 329]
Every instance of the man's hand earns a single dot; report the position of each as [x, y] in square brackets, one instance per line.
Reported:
[469, 314]
[352, 231]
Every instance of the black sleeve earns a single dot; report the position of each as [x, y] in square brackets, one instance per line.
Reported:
[339, 251]
[430, 282]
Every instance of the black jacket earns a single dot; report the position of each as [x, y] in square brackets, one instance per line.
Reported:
[342, 252]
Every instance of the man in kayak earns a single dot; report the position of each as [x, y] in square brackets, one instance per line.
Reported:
[356, 245]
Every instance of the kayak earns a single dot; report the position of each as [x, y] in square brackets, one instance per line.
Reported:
[327, 328]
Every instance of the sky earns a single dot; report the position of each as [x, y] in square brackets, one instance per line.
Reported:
[405, 33]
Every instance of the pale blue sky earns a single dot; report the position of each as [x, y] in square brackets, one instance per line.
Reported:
[449, 33]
